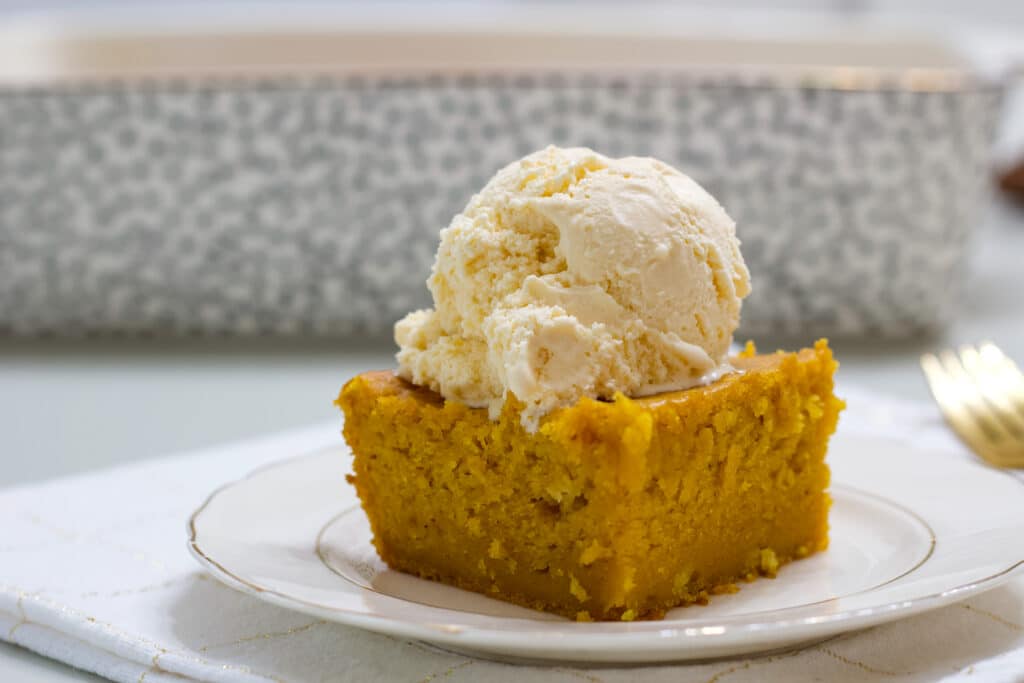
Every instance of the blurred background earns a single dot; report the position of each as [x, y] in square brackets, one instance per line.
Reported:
[211, 214]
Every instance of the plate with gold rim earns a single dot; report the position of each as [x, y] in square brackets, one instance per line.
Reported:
[911, 530]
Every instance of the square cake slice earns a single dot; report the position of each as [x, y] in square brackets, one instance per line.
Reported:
[610, 510]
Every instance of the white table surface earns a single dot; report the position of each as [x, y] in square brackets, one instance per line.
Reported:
[75, 406]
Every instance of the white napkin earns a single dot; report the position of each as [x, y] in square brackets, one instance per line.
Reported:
[94, 572]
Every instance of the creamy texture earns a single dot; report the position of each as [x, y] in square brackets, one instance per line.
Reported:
[572, 274]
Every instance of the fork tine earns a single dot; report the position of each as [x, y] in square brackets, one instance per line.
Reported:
[994, 384]
[999, 364]
[944, 389]
[970, 394]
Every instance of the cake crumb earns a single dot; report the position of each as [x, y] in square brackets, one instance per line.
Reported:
[681, 580]
[578, 591]
[594, 552]
[496, 551]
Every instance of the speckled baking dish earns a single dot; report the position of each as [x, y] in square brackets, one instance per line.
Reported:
[294, 183]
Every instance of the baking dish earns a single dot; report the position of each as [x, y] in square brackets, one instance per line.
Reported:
[293, 182]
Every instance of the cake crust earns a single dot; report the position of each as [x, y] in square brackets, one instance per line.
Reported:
[610, 510]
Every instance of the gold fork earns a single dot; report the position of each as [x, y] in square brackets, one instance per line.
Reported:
[981, 393]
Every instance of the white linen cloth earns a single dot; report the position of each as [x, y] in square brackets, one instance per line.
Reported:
[94, 572]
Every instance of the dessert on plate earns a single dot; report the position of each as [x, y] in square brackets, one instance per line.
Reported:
[566, 429]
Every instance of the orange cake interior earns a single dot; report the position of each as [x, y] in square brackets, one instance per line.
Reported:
[611, 509]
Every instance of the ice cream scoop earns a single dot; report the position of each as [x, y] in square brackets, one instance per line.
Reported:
[572, 274]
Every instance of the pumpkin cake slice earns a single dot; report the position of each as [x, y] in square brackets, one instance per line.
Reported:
[565, 429]
[615, 509]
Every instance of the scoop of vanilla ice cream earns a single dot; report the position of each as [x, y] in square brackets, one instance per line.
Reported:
[572, 274]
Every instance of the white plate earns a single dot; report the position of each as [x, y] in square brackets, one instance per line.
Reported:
[911, 531]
